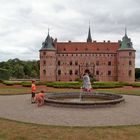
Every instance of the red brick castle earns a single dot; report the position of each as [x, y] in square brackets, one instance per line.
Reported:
[105, 61]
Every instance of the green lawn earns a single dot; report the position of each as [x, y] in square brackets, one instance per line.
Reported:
[12, 130]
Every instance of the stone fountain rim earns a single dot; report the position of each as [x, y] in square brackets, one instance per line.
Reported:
[116, 99]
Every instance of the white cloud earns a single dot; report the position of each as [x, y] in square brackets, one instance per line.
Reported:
[24, 24]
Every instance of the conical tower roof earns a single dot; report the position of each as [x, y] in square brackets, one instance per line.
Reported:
[126, 43]
[48, 44]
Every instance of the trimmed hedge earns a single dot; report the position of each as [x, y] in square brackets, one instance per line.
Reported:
[64, 84]
[106, 85]
[8, 83]
[136, 84]
[26, 84]
[79, 84]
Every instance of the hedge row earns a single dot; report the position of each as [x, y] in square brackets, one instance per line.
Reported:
[73, 84]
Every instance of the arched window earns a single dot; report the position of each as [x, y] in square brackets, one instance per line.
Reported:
[59, 72]
[97, 72]
[130, 73]
[109, 72]
[130, 63]
[58, 62]
[97, 63]
[44, 53]
[76, 63]
[44, 72]
[44, 62]
[70, 72]
[109, 63]
[70, 62]
[76, 72]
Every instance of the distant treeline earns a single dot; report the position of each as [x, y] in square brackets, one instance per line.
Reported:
[19, 69]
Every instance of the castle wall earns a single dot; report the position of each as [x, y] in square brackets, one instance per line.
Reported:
[47, 66]
[126, 65]
[102, 66]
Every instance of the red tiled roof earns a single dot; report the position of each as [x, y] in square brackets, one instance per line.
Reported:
[75, 47]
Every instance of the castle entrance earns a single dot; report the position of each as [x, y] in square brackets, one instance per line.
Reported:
[90, 69]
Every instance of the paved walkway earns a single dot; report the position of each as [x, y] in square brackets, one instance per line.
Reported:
[18, 107]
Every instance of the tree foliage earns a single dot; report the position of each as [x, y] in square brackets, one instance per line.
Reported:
[21, 69]
[137, 73]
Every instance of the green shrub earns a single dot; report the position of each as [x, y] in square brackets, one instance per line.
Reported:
[136, 84]
[64, 84]
[26, 84]
[106, 85]
[8, 83]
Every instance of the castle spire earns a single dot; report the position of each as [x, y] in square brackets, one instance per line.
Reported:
[125, 31]
[89, 39]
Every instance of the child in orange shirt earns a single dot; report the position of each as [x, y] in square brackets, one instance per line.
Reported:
[39, 98]
[33, 88]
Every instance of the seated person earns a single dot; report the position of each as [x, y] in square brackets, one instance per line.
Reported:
[39, 98]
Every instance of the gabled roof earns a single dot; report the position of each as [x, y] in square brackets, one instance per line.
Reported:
[84, 47]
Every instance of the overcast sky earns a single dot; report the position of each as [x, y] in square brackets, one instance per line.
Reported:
[24, 24]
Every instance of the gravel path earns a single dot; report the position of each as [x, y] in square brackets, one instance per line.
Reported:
[18, 107]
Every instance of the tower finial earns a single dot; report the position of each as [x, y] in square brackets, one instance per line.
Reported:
[48, 31]
[125, 30]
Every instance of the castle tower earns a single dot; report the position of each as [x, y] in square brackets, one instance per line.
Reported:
[126, 60]
[48, 60]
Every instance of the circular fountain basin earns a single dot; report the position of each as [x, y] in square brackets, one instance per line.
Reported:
[83, 100]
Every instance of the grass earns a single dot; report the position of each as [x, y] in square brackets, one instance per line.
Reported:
[13, 130]
[19, 89]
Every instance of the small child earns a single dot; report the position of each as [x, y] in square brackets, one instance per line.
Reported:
[33, 88]
[39, 98]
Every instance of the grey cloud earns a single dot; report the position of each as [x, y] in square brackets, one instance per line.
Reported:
[24, 24]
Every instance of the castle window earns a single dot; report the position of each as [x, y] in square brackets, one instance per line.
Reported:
[59, 72]
[130, 63]
[86, 49]
[44, 72]
[97, 63]
[109, 72]
[97, 72]
[130, 73]
[70, 62]
[109, 63]
[44, 62]
[76, 72]
[76, 63]
[130, 53]
[59, 63]
[70, 72]
[72, 55]
[64, 49]
[76, 49]
[44, 53]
